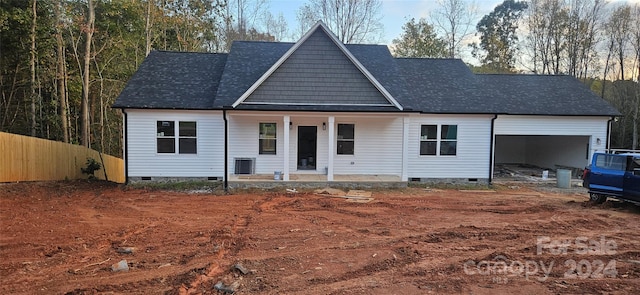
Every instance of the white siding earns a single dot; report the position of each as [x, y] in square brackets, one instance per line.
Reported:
[377, 147]
[472, 156]
[243, 142]
[593, 127]
[378, 142]
[143, 159]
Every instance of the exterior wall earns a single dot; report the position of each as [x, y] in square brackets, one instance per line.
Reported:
[243, 142]
[378, 146]
[378, 142]
[595, 128]
[142, 156]
[472, 155]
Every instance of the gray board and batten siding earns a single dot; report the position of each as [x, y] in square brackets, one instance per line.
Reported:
[317, 73]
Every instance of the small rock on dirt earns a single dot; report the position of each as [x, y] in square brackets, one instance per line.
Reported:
[220, 286]
[126, 250]
[241, 268]
[120, 266]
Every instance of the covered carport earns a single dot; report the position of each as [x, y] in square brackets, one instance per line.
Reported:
[547, 142]
[544, 151]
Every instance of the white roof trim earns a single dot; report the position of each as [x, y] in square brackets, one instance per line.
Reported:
[317, 104]
[295, 47]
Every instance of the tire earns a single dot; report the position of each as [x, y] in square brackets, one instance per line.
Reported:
[597, 198]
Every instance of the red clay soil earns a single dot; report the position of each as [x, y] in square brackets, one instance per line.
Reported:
[63, 237]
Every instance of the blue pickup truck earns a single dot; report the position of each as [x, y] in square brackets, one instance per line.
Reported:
[613, 175]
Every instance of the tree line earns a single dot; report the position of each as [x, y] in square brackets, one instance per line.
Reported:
[64, 62]
[593, 40]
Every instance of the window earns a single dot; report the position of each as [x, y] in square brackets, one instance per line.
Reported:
[267, 139]
[428, 139]
[444, 145]
[448, 140]
[613, 162]
[187, 133]
[166, 137]
[187, 140]
[345, 139]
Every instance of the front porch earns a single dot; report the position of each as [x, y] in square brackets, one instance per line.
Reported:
[316, 147]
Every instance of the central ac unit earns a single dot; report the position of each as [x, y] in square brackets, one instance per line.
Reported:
[245, 165]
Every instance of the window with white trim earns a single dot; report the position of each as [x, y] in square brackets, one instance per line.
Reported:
[267, 139]
[428, 139]
[439, 140]
[186, 143]
[346, 139]
[448, 140]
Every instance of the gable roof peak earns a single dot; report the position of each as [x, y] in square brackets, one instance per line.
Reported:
[319, 25]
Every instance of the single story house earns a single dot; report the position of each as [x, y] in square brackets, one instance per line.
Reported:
[326, 110]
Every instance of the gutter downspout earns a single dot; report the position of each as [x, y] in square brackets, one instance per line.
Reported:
[609, 134]
[125, 147]
[226, 151]
[492, 143]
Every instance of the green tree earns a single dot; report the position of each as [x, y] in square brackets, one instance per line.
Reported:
[419, 40]
[498, 36]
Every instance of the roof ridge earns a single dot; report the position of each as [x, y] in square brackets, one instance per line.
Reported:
[265, 42]
[428, 58]
[188, 52]
[523, 74]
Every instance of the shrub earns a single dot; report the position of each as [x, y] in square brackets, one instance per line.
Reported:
[91, 167]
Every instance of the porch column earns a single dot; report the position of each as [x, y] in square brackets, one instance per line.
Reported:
[405, 148]
[332, 148]
[285, 150]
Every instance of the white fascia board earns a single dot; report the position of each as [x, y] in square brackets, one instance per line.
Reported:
[343, 48]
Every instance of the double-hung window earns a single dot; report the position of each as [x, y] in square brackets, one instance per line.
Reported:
[448, 140]
[267, 139]
[439, 140]
[187, 137]
[346, 139]
[428, 139]
[187, 142]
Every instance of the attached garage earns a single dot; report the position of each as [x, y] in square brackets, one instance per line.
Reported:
[548, 141]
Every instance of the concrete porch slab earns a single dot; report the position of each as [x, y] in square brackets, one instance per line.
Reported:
[316, 178]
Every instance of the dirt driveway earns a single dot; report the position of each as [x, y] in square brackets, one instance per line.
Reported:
[63, 237]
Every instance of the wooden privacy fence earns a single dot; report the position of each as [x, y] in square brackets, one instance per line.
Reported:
[24, 158]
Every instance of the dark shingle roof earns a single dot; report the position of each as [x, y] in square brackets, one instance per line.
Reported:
[174, 80]
[543, 95]
[247, 62]
[380, 63]
[443, 86]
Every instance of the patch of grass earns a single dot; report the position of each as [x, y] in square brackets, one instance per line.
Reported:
[181, 186]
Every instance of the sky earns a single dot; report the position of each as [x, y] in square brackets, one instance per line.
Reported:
[395, 13]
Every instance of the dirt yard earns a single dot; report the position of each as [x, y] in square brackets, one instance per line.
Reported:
[64, 237]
